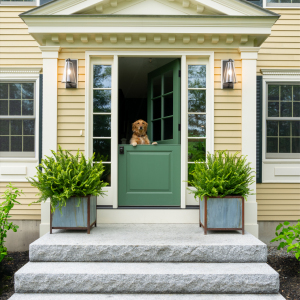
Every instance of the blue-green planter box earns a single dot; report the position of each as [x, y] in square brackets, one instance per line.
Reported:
[225, 213]
[76, 218]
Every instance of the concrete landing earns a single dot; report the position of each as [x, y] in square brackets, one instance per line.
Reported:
[148, 278]
[143, 297]
[148, 243]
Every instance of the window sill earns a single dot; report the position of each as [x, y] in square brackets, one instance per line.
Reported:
[19, 159]
[280, 161]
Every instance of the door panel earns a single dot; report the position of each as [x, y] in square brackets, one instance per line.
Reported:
[149, 175]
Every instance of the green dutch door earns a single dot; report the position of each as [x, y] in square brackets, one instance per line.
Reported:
[149, 175]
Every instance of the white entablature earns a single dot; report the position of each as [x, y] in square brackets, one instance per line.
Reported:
[150, 23]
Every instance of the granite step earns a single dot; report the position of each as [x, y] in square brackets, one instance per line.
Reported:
[144, 297]
[147, 278]
[148, 243]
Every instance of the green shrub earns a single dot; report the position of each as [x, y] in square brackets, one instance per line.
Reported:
[10, 196]
[221, 175]
[289, 237]
[65, 175]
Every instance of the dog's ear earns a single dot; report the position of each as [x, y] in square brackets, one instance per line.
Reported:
[146, 125]
[133, 127]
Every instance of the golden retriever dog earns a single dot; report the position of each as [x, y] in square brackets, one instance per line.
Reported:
[139, 136]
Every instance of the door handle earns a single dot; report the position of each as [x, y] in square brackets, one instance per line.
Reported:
[121, 150]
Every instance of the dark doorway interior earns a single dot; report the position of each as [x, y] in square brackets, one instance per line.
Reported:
[133, 80]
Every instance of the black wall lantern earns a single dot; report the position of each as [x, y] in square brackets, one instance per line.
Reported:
[228, 74]
[70, 73]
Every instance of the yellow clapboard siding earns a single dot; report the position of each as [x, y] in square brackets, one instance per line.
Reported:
[226, 140]
[71, 92]
[23, 211]
[278, 201]
[69, 133]
[77, 126]
[73, 147]
[76, 105]
[227, 113]
[73, 99]
[227, 99]
[230, 126]
[225, 120]
[71, 140]
[227, 134]
[226, 106]
[232, 147]
[81, 77]
[71, 112]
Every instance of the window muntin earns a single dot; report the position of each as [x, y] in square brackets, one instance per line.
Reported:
[283, 121]
[102, 117]
[196, 115]
[283, 3]
[17, 119]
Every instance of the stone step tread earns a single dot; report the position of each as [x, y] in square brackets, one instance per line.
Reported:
[145, 268]
[144, 278]
[148, 242]
[145, 297]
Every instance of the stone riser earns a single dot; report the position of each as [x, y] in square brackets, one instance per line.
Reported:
[149, 278]
[143, 297]
[148, 253]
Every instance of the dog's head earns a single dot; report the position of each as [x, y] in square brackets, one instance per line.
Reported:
[140, 127]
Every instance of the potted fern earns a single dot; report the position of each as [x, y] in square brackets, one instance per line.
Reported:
[222, 183]
[72, 183]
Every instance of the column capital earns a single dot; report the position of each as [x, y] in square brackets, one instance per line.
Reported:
[50, 51]
[249, 52]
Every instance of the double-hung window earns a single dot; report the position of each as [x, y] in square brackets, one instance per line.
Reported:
[283, 120]
[17, 119]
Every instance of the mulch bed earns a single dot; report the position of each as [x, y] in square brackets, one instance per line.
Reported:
[285, 264]
[9, 265]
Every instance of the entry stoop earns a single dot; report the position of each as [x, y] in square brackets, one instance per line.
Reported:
[155, 261]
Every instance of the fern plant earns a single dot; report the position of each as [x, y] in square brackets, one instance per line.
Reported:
[222, 175]
[65, 175]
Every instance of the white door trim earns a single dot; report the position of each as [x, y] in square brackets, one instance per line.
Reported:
[183, 56]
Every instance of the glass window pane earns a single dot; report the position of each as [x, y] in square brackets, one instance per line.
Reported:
[168, 128]
[197, 76]
[15, 91]
[156, 87]
[106, 175]
[286, 109]
[28, 91]
[27, 107]
[102, 126]
[191, 168]
[196, 125]
[4, 127]
[296, 92]
[16, 127]
[4, 143]
[295, 145]
[157, 108]
[272, 145]
[196, 150]
[168, 105]
[101, 149]
[296, 110]
[286, 93]
[3, 107]
[273, 92]
[284, 145]
[3, 90]
[15, 107]
[295, 128]
[168, 82]
[197, 101]
[28, 143]
[273, 109]
[284, 128]
[156, 130]
[272, 128]
[28, 127]
[102, 76]
[16, 143]
[102, 100]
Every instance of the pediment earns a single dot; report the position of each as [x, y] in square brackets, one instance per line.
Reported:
[150, 7]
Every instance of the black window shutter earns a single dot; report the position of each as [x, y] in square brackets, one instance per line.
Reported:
[257, 2]
[40, 122]
[258, 129]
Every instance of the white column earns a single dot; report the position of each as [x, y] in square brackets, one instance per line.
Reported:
[249, 59]
[50, 56]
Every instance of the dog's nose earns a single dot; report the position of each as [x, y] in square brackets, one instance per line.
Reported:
[141, 127]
